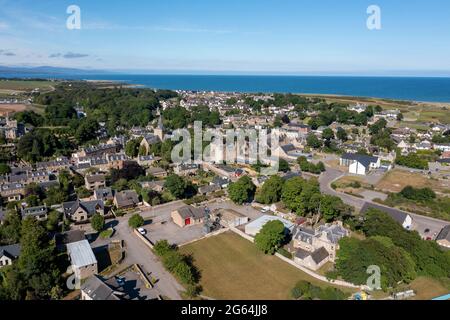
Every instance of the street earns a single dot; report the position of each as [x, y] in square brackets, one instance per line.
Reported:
[421, 223]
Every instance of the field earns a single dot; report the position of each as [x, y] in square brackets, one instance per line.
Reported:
[396, 180]
[414, 112]
[233, 268]
[427, 288]
[10, 86]
[11, 108]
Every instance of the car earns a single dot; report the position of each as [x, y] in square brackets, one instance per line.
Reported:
[427, 231]
[142, 231]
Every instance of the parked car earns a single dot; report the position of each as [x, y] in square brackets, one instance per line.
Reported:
[142, 231]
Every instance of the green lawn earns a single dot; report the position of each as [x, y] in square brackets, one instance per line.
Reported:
[233, 268]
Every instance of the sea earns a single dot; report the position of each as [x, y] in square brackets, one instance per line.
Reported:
[427, 89]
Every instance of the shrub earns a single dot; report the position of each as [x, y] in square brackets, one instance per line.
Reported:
[136, 221]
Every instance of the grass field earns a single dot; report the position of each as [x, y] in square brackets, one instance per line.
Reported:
[396, 180]
[427, 288]
[233, 268]
[17, 85]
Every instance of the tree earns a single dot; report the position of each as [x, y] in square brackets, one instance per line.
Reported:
[52, 221]
[332, 207]
[132, 147]
[283, 166]
[176, 185]
[36, 263]
[4, 169]
[400, 117]
[98, 222]
[271, 237]
[241, 191]
[327, 134]
[341, 134]
[136, 221]
[271, 190]
[313, 142]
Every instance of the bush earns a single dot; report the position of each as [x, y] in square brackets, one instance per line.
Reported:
[136, 221]
[308, 291]
[285, 253]
[98, 222]
[162, 247]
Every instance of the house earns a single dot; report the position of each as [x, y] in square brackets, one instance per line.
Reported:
[222, 182]
[325, 236]
[8, 254]
[443, 238]
[156, 172]
[105, 194]
[444, 147]
[147, 141]
[126, 199]
[401, 217]
[147, 160]
[64, 238]
[254, 227]
[188, 169]
[231, 218]
[188, 215]
[157, 186]
[95, 181]
[359, 163]
[39, 213]
[12, 191]
[312, 260]
[82, 211]
[205, 190]
[96, 288]
[82, 258]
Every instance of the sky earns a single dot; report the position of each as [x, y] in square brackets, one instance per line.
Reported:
[246, 36]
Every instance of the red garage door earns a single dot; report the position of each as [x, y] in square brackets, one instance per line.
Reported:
[187, 221]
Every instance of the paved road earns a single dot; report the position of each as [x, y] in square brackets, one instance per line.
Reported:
[137, 252]
[421, 223]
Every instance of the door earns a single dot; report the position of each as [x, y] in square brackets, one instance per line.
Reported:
[187, 221]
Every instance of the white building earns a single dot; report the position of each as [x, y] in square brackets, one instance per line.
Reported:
[359, 164]
[254, 227]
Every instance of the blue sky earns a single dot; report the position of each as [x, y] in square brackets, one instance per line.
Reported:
[246, 36]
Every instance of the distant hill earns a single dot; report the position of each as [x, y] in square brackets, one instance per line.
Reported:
[49, 70]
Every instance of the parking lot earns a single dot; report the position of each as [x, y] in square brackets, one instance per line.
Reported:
[135, 287]
[162, 228]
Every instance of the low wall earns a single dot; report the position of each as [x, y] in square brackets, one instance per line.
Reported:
[304, 269]
[144, 239]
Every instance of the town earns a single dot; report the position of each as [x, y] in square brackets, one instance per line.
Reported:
[94, 208]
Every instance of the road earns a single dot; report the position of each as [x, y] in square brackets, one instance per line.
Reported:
[421, 223]
[137, 252]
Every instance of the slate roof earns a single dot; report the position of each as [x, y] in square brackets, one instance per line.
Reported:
[34, 211]
[103, 193]
[395, 214]
[191, 212]
[304, 234]
[365, 160]
[11, 251]
[444, 234]
[69, 237]
[81, 253]
[89, 206]
[334, 232]
[319, 255]
[288, 148]
[97, 289]
[127, 198]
